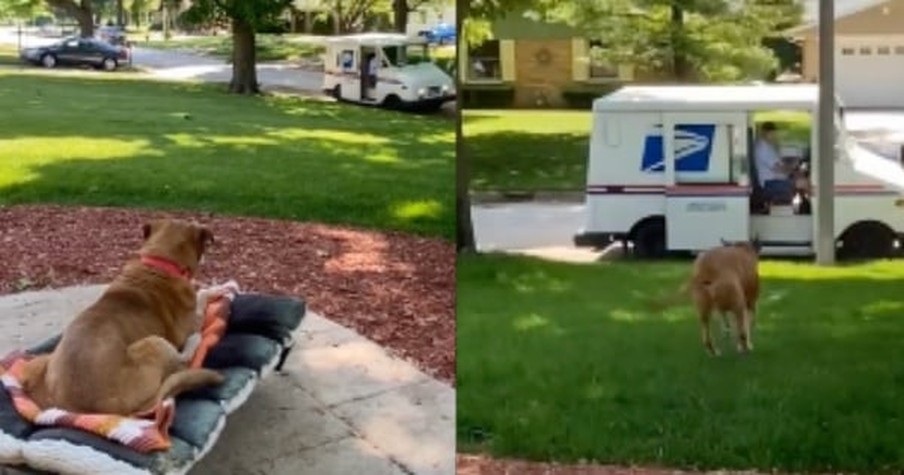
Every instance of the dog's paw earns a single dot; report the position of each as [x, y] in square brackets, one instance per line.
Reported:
[191, 346]
[231, 285]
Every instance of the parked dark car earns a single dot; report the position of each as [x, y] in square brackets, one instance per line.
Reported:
[77, 52]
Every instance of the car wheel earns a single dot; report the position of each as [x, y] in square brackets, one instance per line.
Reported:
[48, 60]
[337, 92]
[109, 64]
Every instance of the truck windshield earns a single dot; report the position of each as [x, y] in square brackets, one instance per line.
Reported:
[405, 55]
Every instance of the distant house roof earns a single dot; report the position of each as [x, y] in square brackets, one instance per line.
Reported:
[843, 8]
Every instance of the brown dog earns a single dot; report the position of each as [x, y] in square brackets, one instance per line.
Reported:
[121, 354]
[726, 280]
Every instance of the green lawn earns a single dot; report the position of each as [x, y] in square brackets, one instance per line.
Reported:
[527, 150]
[546, 150]
[269, 47]
[564, 362]
[106, 139]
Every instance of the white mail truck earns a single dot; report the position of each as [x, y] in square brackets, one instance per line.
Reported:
[385, 69]
[671, 168]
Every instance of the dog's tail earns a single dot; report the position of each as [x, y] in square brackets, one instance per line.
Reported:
[34, 379]
[186, 380]
[670, 300]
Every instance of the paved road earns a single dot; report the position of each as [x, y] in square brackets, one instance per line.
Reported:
[186, 66]
[176, 65]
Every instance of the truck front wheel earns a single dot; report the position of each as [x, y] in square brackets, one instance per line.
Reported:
[649, 240]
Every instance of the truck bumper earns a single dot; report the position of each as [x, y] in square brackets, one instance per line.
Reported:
[597, 240]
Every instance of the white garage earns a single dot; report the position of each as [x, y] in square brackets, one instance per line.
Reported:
[869, 51]
[869, 71]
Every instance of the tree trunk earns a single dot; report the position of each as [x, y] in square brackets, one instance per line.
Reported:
[120, 13]
[244, 59]
[400, 15]
[464, 238]
[81, 11]
[165, 22]
[680, 67]
[337, 18]
[465, 227]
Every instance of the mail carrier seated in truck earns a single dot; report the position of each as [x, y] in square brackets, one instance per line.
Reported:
[674, 168]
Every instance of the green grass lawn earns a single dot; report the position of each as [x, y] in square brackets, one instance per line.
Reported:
[106, 139]
[269, 47]
[546, 150]
[564, 362]
[526, 150]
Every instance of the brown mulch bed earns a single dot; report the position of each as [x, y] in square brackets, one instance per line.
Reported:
[396, 289]
[482, 465]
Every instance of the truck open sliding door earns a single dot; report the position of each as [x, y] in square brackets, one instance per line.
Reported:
[705, 165]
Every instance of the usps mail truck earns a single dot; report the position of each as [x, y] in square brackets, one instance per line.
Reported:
[406, 77]
[671, 168]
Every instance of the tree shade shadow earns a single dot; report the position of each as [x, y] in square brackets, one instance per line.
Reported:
[205, 150]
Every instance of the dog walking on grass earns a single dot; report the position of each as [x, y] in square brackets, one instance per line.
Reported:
[724, 280]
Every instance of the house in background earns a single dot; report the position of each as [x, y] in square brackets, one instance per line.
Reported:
[869, 51]
[537, 63]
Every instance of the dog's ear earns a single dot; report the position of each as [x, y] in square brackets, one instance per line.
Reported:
[755, 242]
[148, 228]
[205, 238]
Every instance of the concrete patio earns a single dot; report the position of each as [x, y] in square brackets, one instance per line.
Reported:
[341, 405]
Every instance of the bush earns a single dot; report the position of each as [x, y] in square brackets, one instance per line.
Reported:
[486, 96]
[582, 97]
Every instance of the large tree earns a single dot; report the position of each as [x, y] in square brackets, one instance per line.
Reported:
[689, 40]
[81, 10]
[246, 16]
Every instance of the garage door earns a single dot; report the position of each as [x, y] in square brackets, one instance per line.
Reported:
[870, 73]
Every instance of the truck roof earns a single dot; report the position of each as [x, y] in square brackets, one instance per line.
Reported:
[379, 39]
[710, 98]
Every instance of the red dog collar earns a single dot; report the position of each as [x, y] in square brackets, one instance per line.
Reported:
[166, 265]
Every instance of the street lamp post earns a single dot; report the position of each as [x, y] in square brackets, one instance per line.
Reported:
[825, 179]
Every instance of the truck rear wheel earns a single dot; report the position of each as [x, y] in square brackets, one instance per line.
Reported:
[867, 240]
[649, 240]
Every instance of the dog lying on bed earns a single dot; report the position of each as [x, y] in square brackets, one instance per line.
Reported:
[726, 280]
[121, 355]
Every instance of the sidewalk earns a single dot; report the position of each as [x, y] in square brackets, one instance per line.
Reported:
[341, 404]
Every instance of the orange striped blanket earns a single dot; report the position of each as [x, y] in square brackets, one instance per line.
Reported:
[145, 432]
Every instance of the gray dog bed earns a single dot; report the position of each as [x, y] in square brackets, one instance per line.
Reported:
[257, 342]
